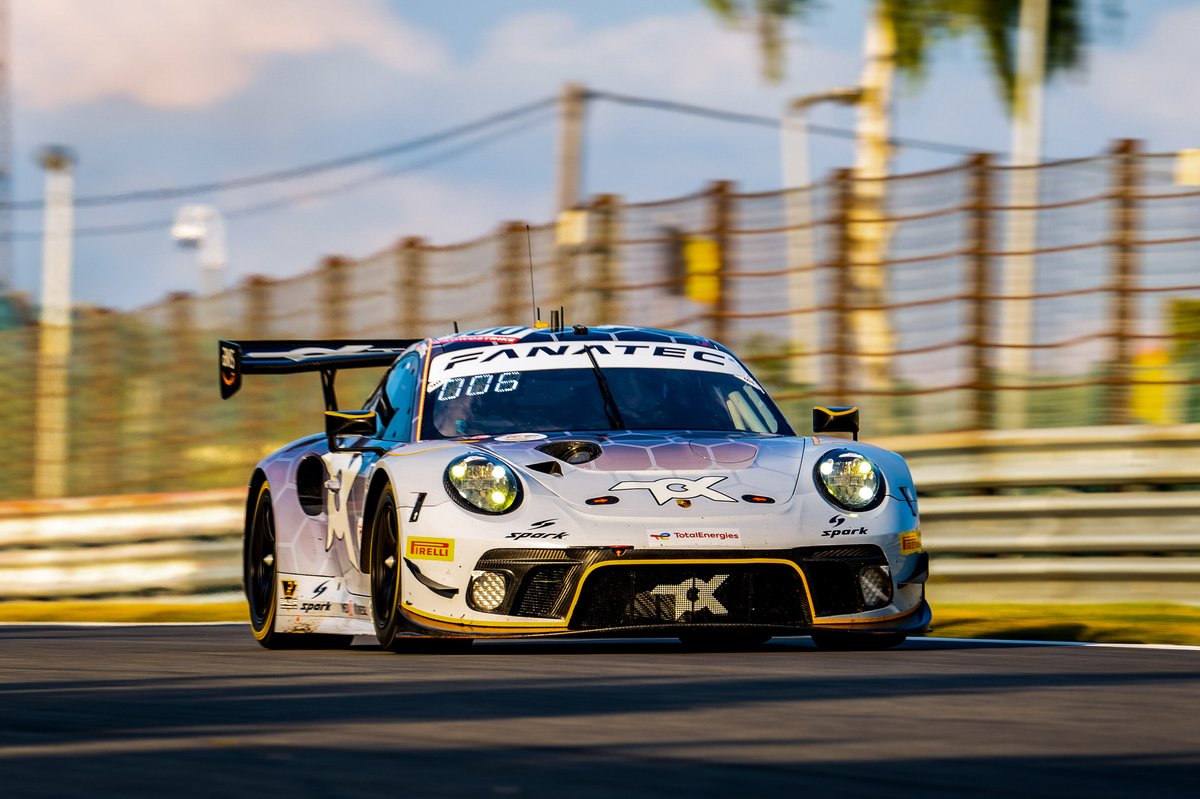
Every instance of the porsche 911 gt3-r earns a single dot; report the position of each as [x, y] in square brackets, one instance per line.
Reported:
[571, 481]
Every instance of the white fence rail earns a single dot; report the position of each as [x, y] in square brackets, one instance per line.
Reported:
[1067, 541]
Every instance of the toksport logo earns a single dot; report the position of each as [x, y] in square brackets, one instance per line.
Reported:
[840, 520]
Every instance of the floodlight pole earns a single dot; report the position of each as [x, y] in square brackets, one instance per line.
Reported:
[203, 227]
[54, 331]
[571, 107]
[1019, 277]
[801, 249]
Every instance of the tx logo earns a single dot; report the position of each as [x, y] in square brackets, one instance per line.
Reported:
[837, 522]
[689, 597]
[670, 488]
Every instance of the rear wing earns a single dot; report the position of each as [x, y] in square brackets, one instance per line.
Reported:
[237, 358]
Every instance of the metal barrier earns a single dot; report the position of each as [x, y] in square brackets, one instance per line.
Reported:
[1062, 539]
[121, 546]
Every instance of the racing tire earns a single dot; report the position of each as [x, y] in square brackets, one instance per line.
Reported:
[723, 642]
[856, 642]
[385, 579]
[260, 578]
[390, 626]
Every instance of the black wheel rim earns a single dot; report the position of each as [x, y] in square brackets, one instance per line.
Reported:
[260, 564]
[385, 578]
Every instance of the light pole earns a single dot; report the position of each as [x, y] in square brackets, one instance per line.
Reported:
[203, 227]
[54, 328]
[1020, 234]
[798, 209]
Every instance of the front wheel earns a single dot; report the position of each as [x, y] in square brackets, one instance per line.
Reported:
[260, 576]
[385, 586]
[841, 641]
[385, 570]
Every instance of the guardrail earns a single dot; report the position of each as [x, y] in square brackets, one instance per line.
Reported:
[1066, 542]
[124, 545]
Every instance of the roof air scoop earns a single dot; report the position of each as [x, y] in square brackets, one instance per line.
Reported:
[572, 452]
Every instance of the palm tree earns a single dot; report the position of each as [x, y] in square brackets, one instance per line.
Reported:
[918, 25]
[900, 36]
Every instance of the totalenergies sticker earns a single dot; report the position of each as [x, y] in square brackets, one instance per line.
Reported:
[712, 537]
[421, 548]
[910, 542]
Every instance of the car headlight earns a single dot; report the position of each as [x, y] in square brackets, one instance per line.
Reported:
[849, 480]
[483, 484]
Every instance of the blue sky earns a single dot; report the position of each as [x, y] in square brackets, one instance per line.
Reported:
[164, 92]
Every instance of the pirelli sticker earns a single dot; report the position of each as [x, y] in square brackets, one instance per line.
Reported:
[422, 548]
[910, 542]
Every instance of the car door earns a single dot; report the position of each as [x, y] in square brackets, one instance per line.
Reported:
[346, 486]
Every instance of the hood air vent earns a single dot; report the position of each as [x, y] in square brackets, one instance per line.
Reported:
[573, 452]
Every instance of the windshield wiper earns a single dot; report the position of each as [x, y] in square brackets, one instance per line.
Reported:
[610, 405]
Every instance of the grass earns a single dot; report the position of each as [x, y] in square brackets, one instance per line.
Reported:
[1133, 623]
[124, 610]
[1138, 623]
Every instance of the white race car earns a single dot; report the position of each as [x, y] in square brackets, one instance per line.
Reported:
[517, 482]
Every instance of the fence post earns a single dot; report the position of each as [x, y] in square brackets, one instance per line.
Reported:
[607, 309]
[843, 282]
[513, 265]
[254, 404]
[720, 221]
[1125, 221]
[100, 427]
[333, 295]
[180, 371]
[979, 237]
[410, 288]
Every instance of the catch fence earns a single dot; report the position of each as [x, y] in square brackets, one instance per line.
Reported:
[973, 297]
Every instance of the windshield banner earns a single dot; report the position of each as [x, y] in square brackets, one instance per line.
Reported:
[557, 355]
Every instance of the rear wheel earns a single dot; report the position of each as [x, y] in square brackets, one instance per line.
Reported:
[260, 576]
[856, 642]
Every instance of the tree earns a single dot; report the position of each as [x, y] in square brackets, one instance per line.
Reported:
[918, 25]
[900, 36]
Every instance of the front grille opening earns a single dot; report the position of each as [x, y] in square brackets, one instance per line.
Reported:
[833, 577]
[540, 591]
[686, 595]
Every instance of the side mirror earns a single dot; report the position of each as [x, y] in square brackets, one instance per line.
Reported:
[340, 424]
[836, 420]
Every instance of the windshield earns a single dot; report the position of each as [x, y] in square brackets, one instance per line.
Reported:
[468, 396]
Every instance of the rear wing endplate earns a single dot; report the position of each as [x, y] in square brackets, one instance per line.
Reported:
[287, 356]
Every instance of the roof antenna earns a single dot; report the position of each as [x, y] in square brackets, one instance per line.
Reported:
[456, 326]
[537, 312]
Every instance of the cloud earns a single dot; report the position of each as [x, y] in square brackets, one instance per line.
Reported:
[180, 53]
[689, 56]
[1153, 82]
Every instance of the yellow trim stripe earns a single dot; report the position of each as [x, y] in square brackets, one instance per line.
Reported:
[269, 622]
[351, 415]
[416, 432]
[846, 412]
[462, 624]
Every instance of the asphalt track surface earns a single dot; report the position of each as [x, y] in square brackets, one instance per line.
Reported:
[203, 711]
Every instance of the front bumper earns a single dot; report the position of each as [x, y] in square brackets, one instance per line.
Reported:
[610, 591]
